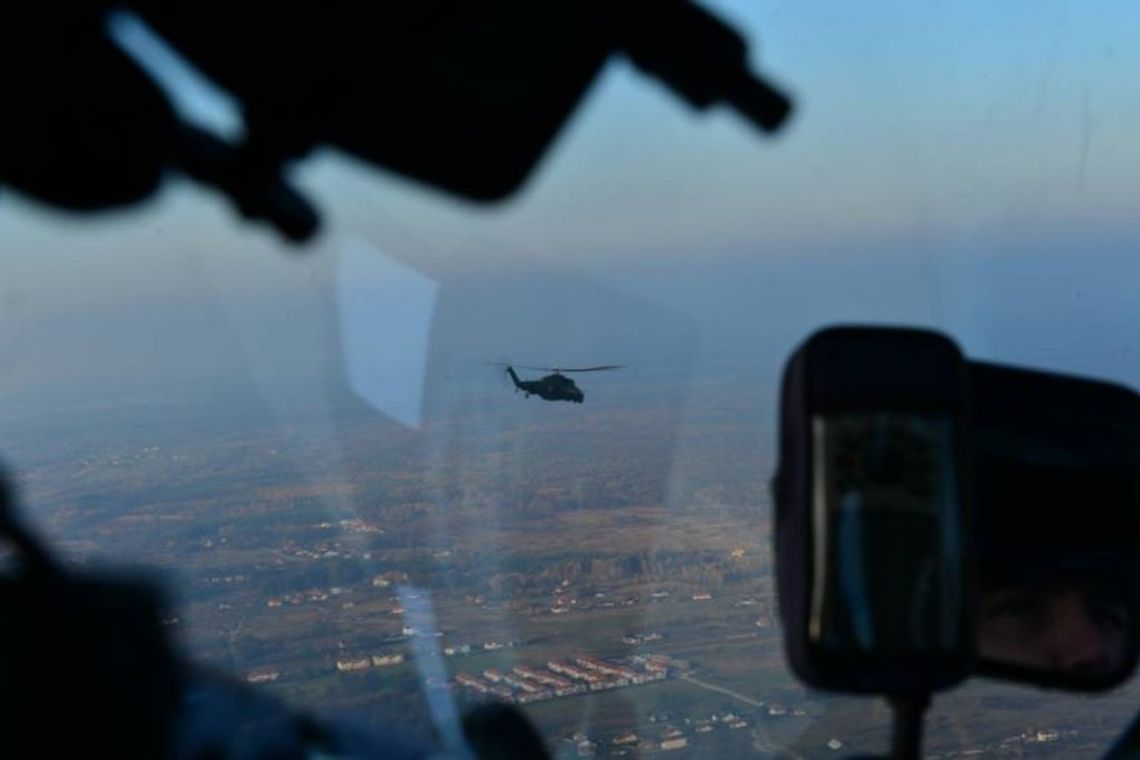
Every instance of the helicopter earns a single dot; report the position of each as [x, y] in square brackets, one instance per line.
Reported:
[555, 386]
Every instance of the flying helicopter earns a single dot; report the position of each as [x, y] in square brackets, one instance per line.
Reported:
[555, 386]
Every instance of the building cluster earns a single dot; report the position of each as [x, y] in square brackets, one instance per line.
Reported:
[320, 550]
[1009, 746]
[586, 747]
[352, 525]
[491, 645]
[563, 678]
[641, 638]
[356, 525]
[664, 736]
[728, 719]
[301, 597]
[480, 686]
[262, 675]
[354, 664]
[1037, 736]
[385, 580]
[215, 580]
[365, 662]
[561, 604]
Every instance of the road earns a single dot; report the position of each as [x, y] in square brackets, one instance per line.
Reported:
[713, 687]
[762, 741]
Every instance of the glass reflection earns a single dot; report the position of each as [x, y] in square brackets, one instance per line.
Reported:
[1063, 626]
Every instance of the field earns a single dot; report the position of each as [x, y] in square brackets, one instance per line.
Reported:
[490, 539]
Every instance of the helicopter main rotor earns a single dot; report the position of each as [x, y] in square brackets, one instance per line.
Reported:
[559, 371]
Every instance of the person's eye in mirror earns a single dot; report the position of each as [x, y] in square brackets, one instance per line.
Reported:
[1060, 628]
[1011, 612]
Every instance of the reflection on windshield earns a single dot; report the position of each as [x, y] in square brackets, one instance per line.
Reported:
[385, 311]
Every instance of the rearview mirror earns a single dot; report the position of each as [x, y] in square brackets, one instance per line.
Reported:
[1057, 466]
[871, 519]
[936, 517]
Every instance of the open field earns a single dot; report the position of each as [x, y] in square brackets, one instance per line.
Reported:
[295, 551]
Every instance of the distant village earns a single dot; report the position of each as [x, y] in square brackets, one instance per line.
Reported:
[564, 678]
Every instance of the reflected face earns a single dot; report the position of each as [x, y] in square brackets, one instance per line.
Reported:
[1061, 629]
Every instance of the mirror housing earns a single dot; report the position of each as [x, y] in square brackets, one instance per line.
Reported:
[920, 494]
[1057, 472]
[872, 512]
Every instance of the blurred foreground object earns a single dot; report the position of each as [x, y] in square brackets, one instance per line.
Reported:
[873, 510]
[87, 655]
[86, 670]
[937, 517]
[1056, 463]
[463, 96]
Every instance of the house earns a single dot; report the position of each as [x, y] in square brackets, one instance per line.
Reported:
[262, 675]
[354, 664]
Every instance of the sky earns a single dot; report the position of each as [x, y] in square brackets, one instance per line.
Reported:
[964, 165]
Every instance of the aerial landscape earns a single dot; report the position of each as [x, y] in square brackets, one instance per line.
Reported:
[607, 567]
[318, 454]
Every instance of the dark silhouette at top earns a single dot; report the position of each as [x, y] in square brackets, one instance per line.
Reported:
[463, 96]
[555, 386]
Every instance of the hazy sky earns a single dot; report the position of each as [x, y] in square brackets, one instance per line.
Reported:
[969, 165]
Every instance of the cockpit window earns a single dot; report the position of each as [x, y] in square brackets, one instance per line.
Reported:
[356, 510]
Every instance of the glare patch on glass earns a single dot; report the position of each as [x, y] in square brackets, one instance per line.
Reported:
[385, 311]
[419, 622]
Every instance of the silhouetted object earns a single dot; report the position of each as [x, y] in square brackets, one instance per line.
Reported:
[464, 96]
[252, 181]
[86, 671]
[502, 732]
[555, 386]
[1057, 477]
[937, 517]
[84, 664]
[872, 512]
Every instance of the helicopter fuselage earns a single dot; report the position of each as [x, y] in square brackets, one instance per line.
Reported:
[555, 387]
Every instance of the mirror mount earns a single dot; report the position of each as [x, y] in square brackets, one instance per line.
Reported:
[907, 715]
